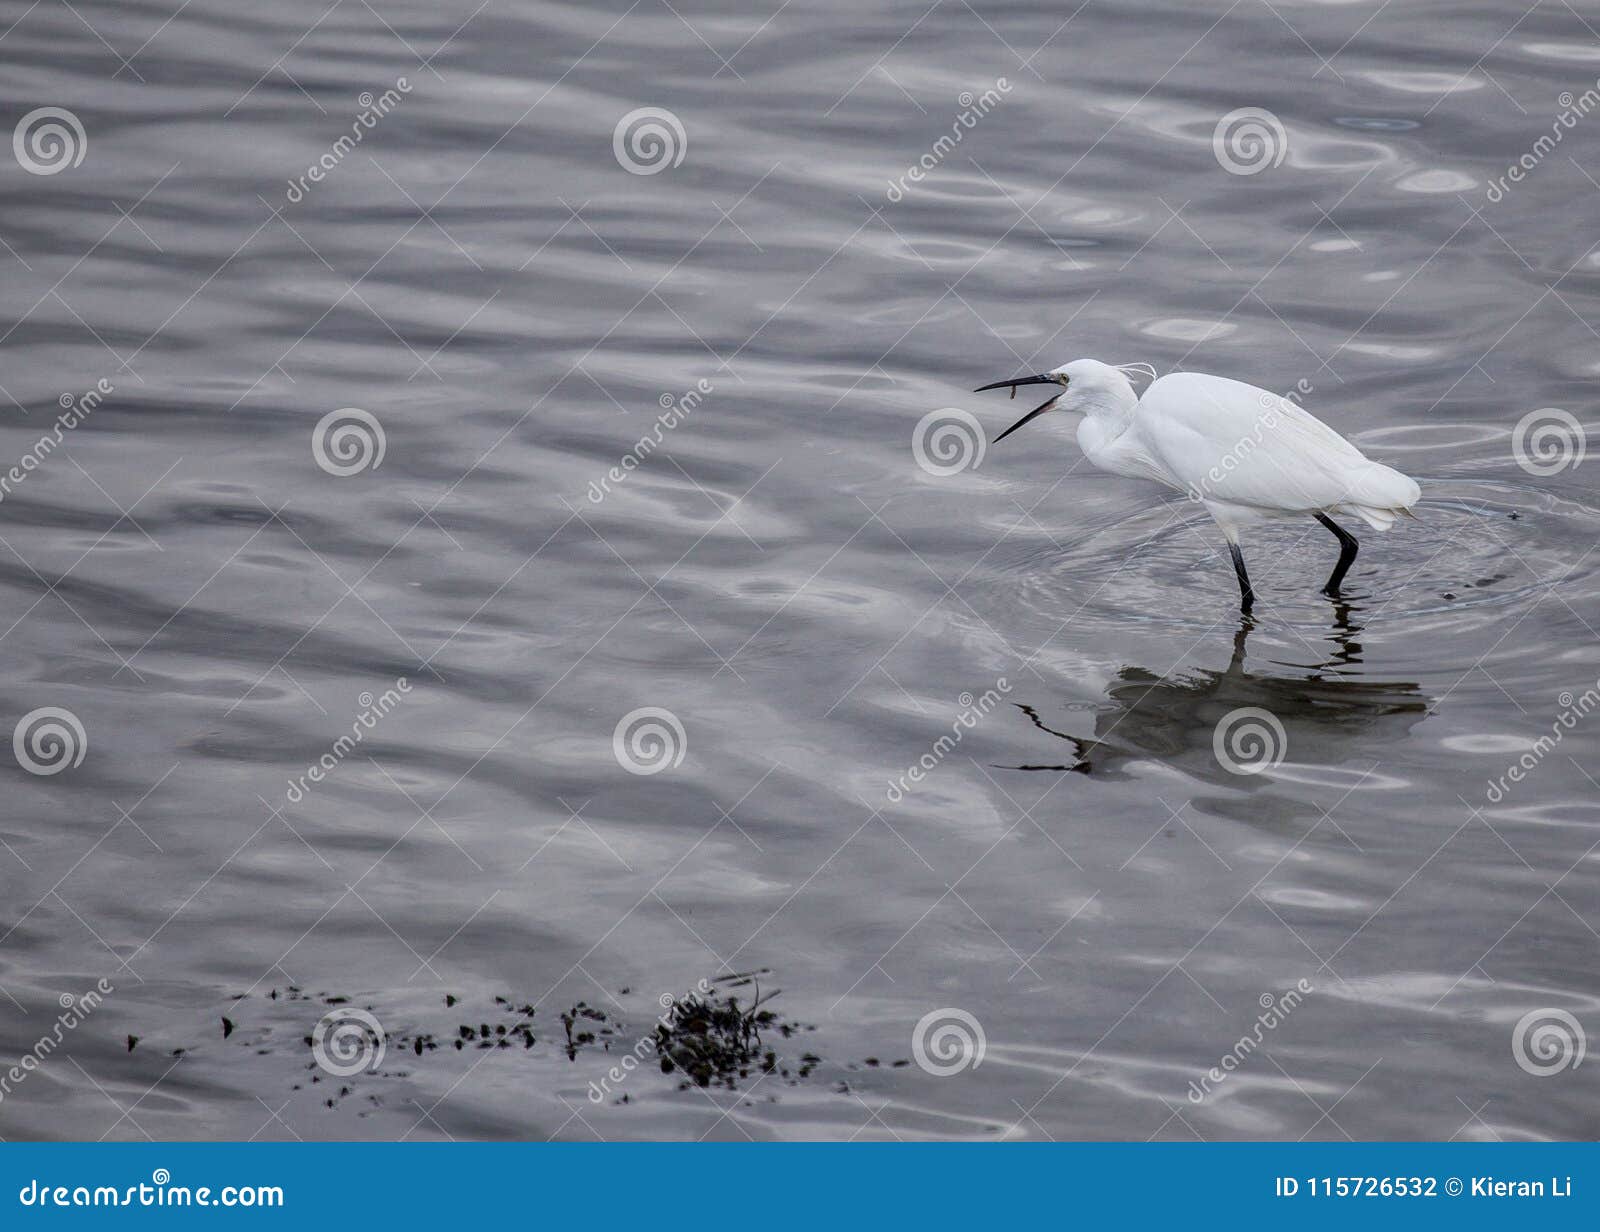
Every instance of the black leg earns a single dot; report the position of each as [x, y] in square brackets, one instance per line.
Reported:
[1347, 554]
[1247, 597]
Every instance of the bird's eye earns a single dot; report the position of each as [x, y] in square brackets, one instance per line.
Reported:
[1063, 378]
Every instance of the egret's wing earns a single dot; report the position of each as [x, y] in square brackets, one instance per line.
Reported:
[1228, 441]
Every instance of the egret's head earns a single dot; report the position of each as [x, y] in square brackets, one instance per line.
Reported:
[1085, 385]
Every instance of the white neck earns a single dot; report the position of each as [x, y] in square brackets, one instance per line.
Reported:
[1103, 432]
[1113, 399]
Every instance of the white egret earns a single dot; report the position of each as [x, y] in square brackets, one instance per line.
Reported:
[1244, 453]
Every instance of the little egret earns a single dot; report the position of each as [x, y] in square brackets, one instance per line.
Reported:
[1244, 453]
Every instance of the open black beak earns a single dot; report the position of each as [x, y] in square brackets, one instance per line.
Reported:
[1033, 414]
[1041, 379]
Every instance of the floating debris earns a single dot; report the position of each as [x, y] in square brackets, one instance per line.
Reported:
[584, 1012]
[713, 1040]
[725, 1034]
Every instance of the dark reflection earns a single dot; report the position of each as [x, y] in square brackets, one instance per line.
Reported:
[1174, 718]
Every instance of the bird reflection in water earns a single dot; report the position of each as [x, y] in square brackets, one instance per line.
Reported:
[1173, 718]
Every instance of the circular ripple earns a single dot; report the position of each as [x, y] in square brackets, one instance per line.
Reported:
[1474, 548]
[1377, 124]
[1430, 436]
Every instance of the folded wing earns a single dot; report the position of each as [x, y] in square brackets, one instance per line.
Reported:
[1234, 443]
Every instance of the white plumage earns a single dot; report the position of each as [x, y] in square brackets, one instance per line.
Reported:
[1244, 453]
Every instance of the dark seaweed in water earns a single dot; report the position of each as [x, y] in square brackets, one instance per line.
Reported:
[709, 1037]
[713, 1040]
[580, 1013]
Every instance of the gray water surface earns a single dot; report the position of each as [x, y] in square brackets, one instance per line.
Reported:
[771, 299]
